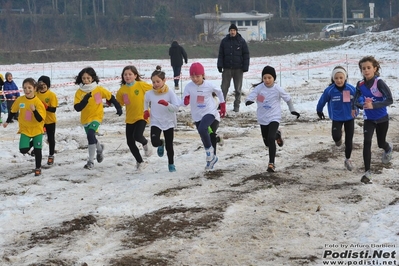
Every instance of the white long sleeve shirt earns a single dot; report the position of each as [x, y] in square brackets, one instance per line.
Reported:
[201, 99]
[268, 102]
[163, 117]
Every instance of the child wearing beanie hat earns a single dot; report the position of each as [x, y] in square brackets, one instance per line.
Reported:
[267, 95]
[50, 101]
[204, 110]
[339, 97]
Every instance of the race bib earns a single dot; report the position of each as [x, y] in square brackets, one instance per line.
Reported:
[200, 99]
[346, 97]
[260, 98]
[126, 99]
[97, 98]
[28, 115]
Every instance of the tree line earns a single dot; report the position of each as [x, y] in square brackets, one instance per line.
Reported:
[44, 24]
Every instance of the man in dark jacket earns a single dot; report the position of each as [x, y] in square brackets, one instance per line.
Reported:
[233, 61]
[177, 54]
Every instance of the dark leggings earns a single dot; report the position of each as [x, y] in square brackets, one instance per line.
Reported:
[269, 138]
[381, 130]
[168, 135]
[134, 132]
[336, 131]
[202, 128]
[50, 131]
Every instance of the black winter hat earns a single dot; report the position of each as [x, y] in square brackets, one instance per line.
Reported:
[233, 27]
[269, 70]
[46, 80]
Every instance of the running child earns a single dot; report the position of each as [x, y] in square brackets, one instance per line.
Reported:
[131, 94]
[373, 96]
[161, 105]
[198, 94]
[339, 97]
[50, 102]
[267, 95]
[31, 122]
[88, 101]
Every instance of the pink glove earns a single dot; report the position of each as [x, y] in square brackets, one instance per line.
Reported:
[222, 110]
[187, 100]
[163, 102]
[146, 114]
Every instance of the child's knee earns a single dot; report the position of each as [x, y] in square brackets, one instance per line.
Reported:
[24, 150]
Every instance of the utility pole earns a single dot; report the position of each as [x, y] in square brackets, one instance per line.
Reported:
[344, 17]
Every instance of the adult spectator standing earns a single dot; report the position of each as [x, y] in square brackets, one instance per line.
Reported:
[233, 61]
[177, 54]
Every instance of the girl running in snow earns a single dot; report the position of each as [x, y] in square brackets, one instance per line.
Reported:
[50, 102]
[88, 101]
[198, 93]
[163, 104]
[339, 97]
[131, 94]
[31, 122]
[267, 95]
[373, 96]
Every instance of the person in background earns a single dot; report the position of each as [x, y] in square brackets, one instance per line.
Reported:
[50, 101]
[31, 122]
[177, 54]
[339, 97]
[11, 93]
[88, 101]
[198, 94]
[233, 61]
[267, 95]
[131, 94]
[164, 105]
[373, 96]
[2, 99]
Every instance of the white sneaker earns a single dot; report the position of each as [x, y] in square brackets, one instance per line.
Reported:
[209, 154]
[210, 164]
[147, 150]
[141, 166]
[387, 156]
[348, 164]
[366, 178]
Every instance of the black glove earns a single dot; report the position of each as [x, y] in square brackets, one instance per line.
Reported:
[321, 115]
[220, 69]
[248, 103]
[119, 111]
[87, 97]
[296, 113]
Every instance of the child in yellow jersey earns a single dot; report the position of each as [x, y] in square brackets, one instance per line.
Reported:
[50, 102]
[131, 94]
[88, 101]
[31, 121]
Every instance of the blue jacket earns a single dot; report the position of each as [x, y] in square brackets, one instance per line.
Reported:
[338, 110]
[233, 53]
[10, 89]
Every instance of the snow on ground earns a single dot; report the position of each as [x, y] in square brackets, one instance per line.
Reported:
[312, 211]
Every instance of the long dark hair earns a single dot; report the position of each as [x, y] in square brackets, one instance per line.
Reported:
[90, 71]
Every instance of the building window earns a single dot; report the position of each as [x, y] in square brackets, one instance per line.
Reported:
[254, 22]
[247, 23]
[240, 23]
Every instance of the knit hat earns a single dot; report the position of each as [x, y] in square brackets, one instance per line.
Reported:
[46, 80]
[7, 74]
[269, 70]
[196, 69]
[338, 69]
[233, 27]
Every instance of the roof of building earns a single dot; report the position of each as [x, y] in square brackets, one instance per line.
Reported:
[252, 15]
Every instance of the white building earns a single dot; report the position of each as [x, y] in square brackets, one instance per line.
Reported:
[251, 25]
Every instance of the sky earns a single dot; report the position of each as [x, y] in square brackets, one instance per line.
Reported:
[311, 211]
